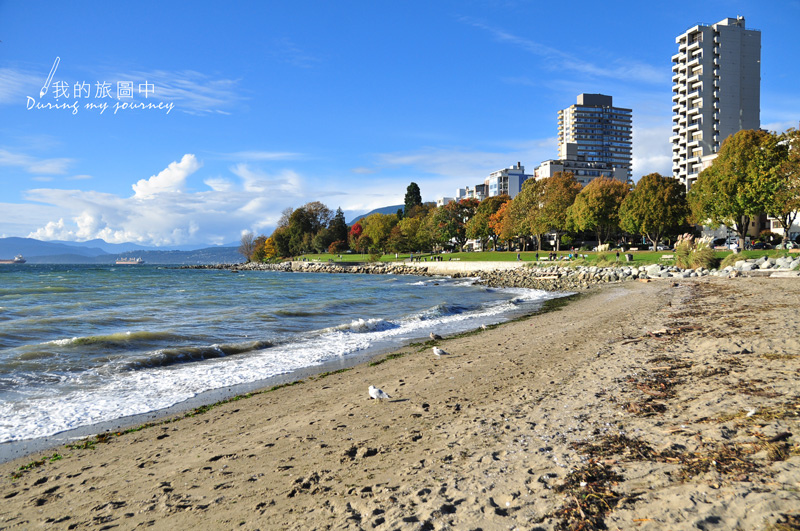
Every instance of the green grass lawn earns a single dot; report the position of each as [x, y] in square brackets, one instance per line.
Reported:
[591, 258]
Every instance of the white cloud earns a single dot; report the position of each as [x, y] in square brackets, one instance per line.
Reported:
[469, 164]
[780, 127]
[15, 85]
[652, 151]
[255, 180]
[218, 184]
[166, 209]
[32, 164]
[171, 179]
[555, 59]
[191, 91]
[289, 52]
[260, 155]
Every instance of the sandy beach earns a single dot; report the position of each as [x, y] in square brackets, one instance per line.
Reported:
[640, 405]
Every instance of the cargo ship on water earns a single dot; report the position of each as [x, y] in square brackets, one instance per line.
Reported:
[17, 260]
[129, 261]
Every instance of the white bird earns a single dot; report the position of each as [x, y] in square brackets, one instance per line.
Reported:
[439, 352]
[376, 393]
[484, 327]
[435, 336]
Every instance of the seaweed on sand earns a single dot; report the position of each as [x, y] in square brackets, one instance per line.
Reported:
[589, 497]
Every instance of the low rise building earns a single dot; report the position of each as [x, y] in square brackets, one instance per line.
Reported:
[583, 170]
[506, 181]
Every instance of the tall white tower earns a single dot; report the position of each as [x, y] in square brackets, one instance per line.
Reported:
[716, 92]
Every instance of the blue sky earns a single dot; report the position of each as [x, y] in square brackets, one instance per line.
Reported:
[274, 104]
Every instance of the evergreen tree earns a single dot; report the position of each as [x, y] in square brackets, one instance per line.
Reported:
[339, 226]
[413, 197]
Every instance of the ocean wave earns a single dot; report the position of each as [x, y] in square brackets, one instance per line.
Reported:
[122, 339]
[442, 310]
[364, 325]
[299, 313]
[178, 355]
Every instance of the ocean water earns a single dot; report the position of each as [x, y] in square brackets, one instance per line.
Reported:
[80, 345]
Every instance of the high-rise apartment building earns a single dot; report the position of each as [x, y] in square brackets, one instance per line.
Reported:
[600, 132]
[715, 92]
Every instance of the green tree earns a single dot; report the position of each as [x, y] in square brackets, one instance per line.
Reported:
[409, 227]
[281, 239]
[300, 231]
[560, 192]
[740, 183]
[258, 249]
[452, 219]
[596, 207]
[655, 207]
[378, 227]
[785, 202]
[338, 226]
[397, 241]
[525, 212]
[323, 239]
[478, 227]
[413, 198]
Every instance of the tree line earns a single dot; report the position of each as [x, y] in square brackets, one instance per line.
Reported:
[755, 172]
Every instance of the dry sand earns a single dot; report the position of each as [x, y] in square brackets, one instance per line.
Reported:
[660, 405]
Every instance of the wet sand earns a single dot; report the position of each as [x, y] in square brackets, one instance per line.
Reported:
[658, 405]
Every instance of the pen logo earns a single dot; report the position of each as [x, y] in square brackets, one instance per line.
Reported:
[49, 78]
[80, 97]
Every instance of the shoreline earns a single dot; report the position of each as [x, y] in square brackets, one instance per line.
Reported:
[20, 449]
[639, 394]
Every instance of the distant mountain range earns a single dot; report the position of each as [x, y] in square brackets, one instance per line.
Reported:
[382, 210]
[102, 252]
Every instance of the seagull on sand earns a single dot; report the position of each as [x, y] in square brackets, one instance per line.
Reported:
[439, 352]
[435, 337]
[376, 393]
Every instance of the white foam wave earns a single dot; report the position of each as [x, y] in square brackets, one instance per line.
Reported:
[99, 397]
[62, 342]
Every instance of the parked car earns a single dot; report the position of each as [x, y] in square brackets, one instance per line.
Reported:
[662, 247]
[760, 245]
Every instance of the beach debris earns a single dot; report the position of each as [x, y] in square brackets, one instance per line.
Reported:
[439, 352]
[589, 497]
[435, 337]
[376, 393]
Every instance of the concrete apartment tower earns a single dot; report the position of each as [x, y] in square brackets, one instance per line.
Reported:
[596, 131]
[716, 92]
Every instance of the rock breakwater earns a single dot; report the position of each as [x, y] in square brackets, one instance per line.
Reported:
[550, 278]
